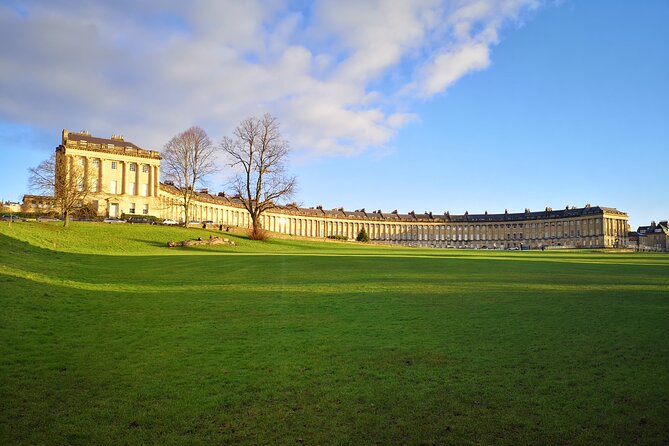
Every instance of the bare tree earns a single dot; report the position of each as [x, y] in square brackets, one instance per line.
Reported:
[259, 150]
[64, 178]
[188, 158]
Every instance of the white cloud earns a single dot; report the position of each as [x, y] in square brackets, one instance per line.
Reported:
[451, 65]
[332, 73]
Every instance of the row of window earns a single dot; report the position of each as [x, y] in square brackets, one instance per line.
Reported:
[114, 165]
[133, 166]
[113, 188]
[133, 207]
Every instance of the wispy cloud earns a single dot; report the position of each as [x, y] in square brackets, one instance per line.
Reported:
[341, 75]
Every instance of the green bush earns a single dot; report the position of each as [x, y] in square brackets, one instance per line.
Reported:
[34, 214]
[86, 212]
[338, 237]
[362, 236]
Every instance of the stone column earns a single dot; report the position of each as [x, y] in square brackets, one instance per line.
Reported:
[101, 178]
[124, 177]
[149, 187]
[138, 167]
[87, 173]
[156, 180]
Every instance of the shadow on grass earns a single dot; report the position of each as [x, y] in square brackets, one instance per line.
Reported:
[321, 272]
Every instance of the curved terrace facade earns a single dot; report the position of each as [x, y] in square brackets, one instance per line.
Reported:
[125, 179]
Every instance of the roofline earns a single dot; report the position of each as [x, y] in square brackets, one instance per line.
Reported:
[339, 213]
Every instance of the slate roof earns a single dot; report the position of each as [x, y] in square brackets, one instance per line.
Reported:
[103, 141]
[412, 216]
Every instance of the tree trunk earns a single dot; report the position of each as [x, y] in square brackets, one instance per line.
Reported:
[66, 218]
[186, 216]
[257, 232]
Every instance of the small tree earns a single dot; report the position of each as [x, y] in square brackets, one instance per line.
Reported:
[362, 235]
[258, 149]
[64, 180]
[188, 158]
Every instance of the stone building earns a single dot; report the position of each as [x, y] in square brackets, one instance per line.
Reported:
[10, 206]
[125, 179]
[654, 237]
[122, 177]
[37, 204]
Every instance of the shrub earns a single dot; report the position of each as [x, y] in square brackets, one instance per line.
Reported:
[35, 214]
[362, 236]
[258, 234]
[338, 237]
[86, 212]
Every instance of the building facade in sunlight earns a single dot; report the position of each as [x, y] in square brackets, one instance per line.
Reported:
[125, 179]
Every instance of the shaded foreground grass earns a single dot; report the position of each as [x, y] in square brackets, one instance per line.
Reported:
[108, 337]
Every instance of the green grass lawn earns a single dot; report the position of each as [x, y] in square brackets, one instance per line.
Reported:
[107, 336]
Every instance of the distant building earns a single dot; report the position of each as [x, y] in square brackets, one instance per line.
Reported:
[654, 237]
[10, 207]
[38, 204]
[125, 179]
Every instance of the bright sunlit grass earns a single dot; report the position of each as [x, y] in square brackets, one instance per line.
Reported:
[108, 336]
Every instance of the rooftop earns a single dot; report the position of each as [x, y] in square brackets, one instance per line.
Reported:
[116, 144]
[362, 214]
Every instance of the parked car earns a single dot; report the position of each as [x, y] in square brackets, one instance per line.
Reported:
[7, 217]
[208, 222]
[169, 222]
[141, 220]
[113, 220]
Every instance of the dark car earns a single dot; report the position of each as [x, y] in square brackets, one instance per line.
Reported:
[141, 220]
[46, 218]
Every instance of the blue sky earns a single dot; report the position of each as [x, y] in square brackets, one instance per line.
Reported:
[459, 106]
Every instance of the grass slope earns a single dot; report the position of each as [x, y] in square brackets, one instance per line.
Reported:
[107, 336]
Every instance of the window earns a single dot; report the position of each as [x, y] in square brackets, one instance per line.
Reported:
[113, 164]
[145, 168]
[94, 186]
[145, 209]
[131, 188]
[80, 185]
[145, 190]
[132, 208]
[133, 167]
[81, 161]
[96, 163]
[112, 187]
